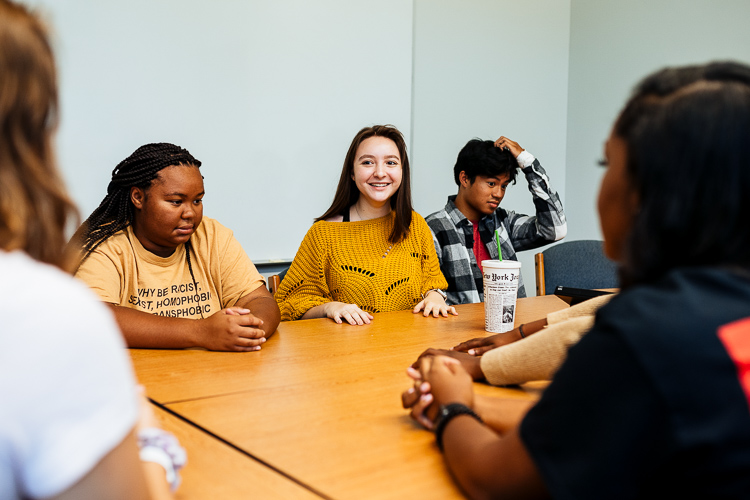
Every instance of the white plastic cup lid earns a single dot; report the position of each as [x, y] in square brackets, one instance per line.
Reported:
[501, 264]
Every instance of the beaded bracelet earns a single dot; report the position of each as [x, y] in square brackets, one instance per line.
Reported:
[161, 447]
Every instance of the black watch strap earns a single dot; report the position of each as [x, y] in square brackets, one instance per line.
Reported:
[448, 412]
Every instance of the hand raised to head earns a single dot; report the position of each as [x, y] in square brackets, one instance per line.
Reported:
[509, 145]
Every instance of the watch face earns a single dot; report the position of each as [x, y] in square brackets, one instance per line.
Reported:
[443, 411]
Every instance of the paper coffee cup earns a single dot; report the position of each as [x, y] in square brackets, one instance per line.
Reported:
[500, 293]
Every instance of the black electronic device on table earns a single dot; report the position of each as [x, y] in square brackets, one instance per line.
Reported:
[575, 296]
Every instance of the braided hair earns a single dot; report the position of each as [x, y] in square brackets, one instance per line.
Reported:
[116, 211]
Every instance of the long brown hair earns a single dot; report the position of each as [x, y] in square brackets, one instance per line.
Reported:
[35, 209]
[347, 192]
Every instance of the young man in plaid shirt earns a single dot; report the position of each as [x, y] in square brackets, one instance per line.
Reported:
[464, 231]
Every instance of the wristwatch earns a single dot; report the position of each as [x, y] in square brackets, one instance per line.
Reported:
[448, 412]
[439, 291]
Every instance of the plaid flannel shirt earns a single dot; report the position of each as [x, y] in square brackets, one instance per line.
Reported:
[453, 235]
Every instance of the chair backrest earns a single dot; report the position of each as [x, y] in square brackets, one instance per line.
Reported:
[275, 280]
[577, 264]
[273, 283]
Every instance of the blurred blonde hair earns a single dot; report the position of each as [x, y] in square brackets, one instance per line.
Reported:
[34, 205]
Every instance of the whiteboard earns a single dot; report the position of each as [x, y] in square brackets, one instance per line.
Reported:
[267, 94]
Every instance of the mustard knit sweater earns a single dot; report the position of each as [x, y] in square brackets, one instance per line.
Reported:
[353, 262]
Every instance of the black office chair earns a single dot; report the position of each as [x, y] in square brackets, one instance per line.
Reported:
[576, 264]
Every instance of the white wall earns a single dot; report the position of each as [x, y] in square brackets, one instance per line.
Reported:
[266, 93]
[486, 68]
[613, 45]
[269, 93]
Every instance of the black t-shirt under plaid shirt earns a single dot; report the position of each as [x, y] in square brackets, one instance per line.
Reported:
[454, 241]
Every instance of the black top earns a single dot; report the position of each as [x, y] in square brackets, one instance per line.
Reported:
[651, 403]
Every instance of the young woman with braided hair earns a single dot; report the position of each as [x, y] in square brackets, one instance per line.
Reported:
[174, 278]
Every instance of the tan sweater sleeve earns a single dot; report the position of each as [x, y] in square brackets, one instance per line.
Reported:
[585, 308]
[536, 357]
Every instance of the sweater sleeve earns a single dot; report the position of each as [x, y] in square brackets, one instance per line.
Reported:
[432, 276]
[585, 308]
[536, 357]
[304, 285]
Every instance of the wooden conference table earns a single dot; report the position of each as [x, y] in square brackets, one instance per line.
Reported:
[317, 412]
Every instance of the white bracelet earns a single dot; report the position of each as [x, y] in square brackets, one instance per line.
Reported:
[161, 447]
[158, 456]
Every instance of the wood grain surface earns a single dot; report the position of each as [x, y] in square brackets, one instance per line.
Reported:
[321, 401]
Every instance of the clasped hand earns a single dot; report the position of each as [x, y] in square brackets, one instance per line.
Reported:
[231, 329]
[439, 380]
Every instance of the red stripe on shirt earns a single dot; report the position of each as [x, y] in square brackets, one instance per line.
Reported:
[480, 250]
[736, 339]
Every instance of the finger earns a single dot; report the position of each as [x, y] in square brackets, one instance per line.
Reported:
[249, 320]
[419, 307]
[481, 350]
[438, 364]
[413, 373]
[468, 344]
[428, 352]
[424, 388]
[451, 363]
[249, 342]
[418, 410]
[348, 317]
[462, 347]
[239, 348]
[356, 317]
[247, 332]
[409, 398]
[424, 365]
[236, 311]
[453, 311]
[363, 317]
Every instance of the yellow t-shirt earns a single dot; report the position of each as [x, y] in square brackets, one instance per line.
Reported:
[124, 273]
[354, 262]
